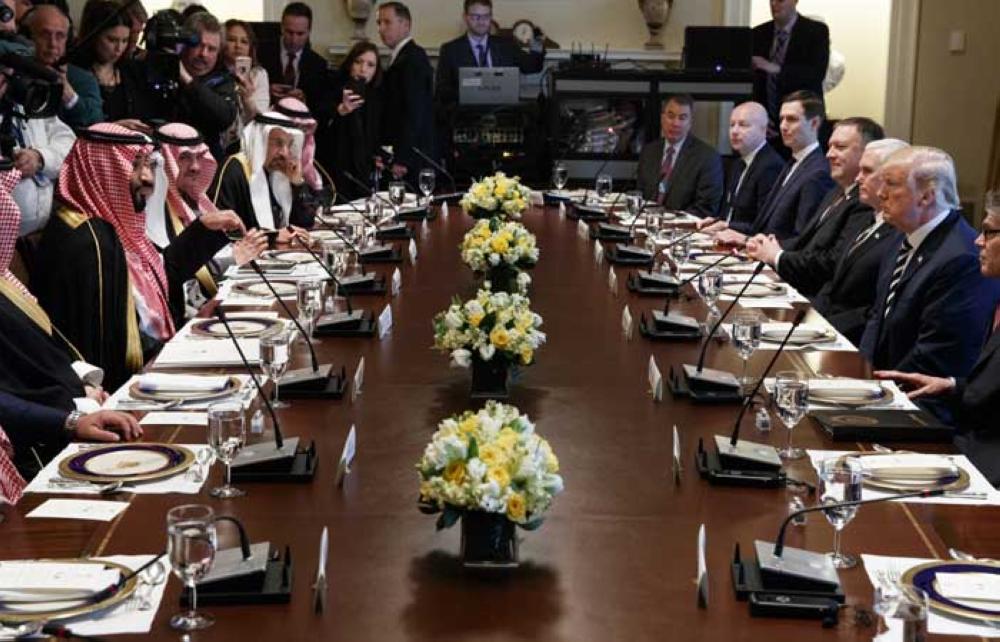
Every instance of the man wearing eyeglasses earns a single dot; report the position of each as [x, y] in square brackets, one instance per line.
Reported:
[974, 399]
[478, 47]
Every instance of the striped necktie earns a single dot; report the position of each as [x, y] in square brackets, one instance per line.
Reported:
[666, 169]
[864, 236]
[778, 49]
[905, 250]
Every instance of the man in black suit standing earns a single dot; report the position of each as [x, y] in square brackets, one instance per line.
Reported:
[753, 173]
[294, 69]
[790, 53]
[808, 261]
[975, 398]
[679, 170]
[847, 297]
[932, 304]
[407, 88]
[801, 186]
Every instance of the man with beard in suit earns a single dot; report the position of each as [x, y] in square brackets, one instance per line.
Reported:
[408, 87]
[807, 261]
[975, 398]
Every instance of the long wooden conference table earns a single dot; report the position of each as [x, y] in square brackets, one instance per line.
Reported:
[616, 557]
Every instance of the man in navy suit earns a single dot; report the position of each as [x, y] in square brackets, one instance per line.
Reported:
[790, 53]
[407, 91]
[294, 69]
[848, 296]
[679, 170]
[797, 192]
[975, 399]
[808, 261]
[932, 304]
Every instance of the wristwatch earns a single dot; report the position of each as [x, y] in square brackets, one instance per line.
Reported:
[72, 421]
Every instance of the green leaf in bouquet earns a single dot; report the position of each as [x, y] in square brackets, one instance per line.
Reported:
[488, 322]
[473, 449]
[532, 525]
[449, 516]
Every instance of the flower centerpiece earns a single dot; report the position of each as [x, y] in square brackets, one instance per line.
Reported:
[501, 250]
[497, 196]
[491, 332]
[492, 470]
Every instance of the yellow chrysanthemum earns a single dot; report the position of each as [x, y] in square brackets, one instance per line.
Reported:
[500, 475]
[516, 507]
[499, 244]
[469, 425]
[499, 337]
[527, 354]
[491, 455]
[476, 319]
[455, 472]
[425, 490]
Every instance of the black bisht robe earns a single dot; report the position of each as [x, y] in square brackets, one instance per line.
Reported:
[231, 191]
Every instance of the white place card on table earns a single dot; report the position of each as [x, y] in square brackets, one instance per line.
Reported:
[359, 379]
[320, 586]
[92, 509]
[444, 209]
[562, 209]
[627, 324]
[397, 282]
[347, 456]
[582, 229]
[702, 569]
[174, 419]
[598, 252]
[676, 464]
[655, 378]
[612, 281]
[385, 321]
[412, 248]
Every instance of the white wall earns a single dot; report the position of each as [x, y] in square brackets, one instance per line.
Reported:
[859, 29]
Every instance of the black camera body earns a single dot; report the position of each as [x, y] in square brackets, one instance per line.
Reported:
[30, 84]
[165, 38]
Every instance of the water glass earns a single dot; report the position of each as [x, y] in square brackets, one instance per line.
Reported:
[227, 432]
[840, 481]
[791, 396]
[746, 340]
[274, 361]
[603, 185]
[397, 194]
[310, 302]
[191, 544]
[426, 182]
[680, 246]
[903, 609]
[560, 175]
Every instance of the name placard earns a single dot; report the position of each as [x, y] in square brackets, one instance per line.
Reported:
[655, 379]
[385, 321]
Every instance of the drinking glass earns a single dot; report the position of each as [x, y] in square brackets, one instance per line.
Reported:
[746, 339]
[274, 361]
[310, 302]
[426, 183]
[560, 174]
[191, 543]
[227, 432]
[840, 481]
[901, 607]
[603, 185]
[791, 396]
[680, 246]
[709, 287]
[397, 194]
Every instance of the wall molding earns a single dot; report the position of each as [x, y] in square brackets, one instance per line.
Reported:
[901, 80]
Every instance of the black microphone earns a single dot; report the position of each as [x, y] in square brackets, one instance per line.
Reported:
[779, 544]
[438, 166]
[354, 179]
[701, 358]
[774, 358]
[284, 306]
[279, 441]
[326, 268]
[354, 248]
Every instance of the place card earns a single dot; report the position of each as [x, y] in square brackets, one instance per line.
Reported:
[320, 586]
[627, 325]
[359, 380]
[702, 570]
[174, 419]
[655, 379]
[397, 282]
[562, 209]
[385, 321]
[612, 281]
[444, 209]
[598, 252]
[28, 580]
[346, 457]
[676, 464]
[412, 248]
[92, 509]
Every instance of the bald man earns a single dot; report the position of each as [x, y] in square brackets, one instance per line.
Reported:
[752, 174]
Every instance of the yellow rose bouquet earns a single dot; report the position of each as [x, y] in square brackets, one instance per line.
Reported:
[488, 461]
[497, 196]
[501, 250]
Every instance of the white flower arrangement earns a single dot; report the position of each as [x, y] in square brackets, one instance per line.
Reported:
[492, 325]
[498, 195]
[492, 243]
[492, 461]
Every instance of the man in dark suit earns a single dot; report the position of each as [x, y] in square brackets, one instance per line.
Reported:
[294, 69]
[847, 297]
[932, 304]
[679, 170]
[407, 90]
[790, 53]
[808, 261]
[976, 397]
[803, 183]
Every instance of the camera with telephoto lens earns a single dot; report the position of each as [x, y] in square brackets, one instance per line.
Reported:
[166, 38]
[30, 84]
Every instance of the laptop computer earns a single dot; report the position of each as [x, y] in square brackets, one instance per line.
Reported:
[717, 49]
[489, 85]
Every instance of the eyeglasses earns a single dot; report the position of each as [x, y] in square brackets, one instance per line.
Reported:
[989, 233]
[480, 17]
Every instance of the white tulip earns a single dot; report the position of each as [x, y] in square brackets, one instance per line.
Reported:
[461, 358]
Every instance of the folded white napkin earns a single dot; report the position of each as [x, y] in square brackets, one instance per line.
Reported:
[911, 466]
[845, 388]
[160, 382]
[777, 331]
[29, 580]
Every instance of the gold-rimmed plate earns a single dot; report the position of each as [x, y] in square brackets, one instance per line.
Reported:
[136, 462]
[242, 327]
[851, 397]
[708, 258]
[285, 289]
[289, 256]
[958, 481]
[233, 386]
[754, 290]
[803, 335]
[21, 613]
[924, 577]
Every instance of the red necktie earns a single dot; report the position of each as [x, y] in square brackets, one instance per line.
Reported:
[288, 76]
[666, 169]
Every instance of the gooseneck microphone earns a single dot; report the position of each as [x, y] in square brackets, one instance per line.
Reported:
[369, 191]
[701, 357]
[779, 544]
[439, 167]
[279, 440]
[326, 268]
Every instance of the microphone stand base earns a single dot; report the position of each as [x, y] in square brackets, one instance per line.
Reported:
[712, 470]
[654, 332]
[680, 387]
[304, 383]
[291, 465]
[364, 326]
[271, 585]
[577, 212]
[636, 284]
[820, 604]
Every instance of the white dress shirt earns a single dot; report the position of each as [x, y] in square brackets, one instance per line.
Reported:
[799, 156]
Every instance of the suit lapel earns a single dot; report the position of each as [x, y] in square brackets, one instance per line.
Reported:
[992, 345]
[772, 198]
[923, 254]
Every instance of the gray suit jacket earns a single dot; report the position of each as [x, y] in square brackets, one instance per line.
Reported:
[696, 183]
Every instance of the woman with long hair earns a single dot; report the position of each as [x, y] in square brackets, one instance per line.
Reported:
[104, 55]
[239, 54]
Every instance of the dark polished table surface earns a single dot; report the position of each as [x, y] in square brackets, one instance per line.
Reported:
[615, 559]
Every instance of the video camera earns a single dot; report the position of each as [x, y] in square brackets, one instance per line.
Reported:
[30, 84]
[165, 38]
